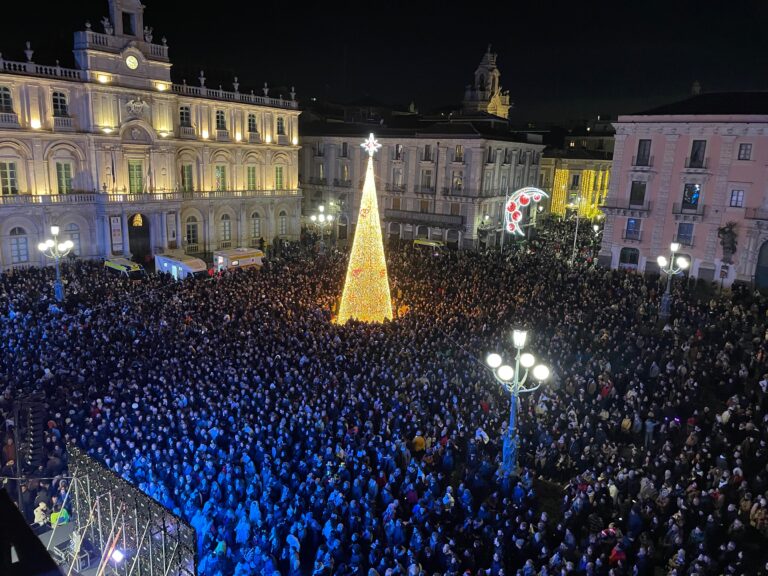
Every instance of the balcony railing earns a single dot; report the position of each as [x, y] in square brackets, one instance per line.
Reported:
[9, 120]
[27, 199]
[634, 235]
[224, 244]
[756, 214]
[696, 163]
[318, 181]
[62, 123]
[423, 189]
[187, 132]
[283, 139]
[684, 239]
[678, 208]
[222, 135]
[642, 162]
[430, 219]
[89, 39]
[32, 69]
[399, 188]
[628, 205]
[139, 197]
[458, 159]
[342, 183]
[192, 248]
[254, 137]
[203, 92]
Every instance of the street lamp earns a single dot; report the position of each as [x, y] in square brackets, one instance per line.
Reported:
[576, 232]
[56, 250]
[671, 270]
[321, 220]
[515, 383]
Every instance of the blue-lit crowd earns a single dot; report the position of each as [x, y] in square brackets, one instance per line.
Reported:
[295, 446]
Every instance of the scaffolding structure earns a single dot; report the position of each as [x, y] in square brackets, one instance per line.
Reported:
[112, 514]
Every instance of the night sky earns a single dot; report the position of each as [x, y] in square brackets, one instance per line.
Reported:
[560, 61]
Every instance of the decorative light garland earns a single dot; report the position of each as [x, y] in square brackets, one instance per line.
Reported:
[513, 213]
[366, 295]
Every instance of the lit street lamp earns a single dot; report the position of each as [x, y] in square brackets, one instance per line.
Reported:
[56, 251]
[576, 232]
[515, 383]
[321, 220]
[682, 264]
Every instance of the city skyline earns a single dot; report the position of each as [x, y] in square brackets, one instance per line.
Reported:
[558, 63]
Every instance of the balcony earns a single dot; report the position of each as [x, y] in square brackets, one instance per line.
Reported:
[88, 39]
[62, 123]
[254, 137]
[684, 239]
[9, 120]
[342, 183]
[318, 181]
[756, 214]
[698, 210]
[222, 135]
[224, 244]
[696, 164]
[283, 139]
[187, 132]
[442, 220]
[423, 189]
[632, 235]
[458, 159]
[192, 249]
[32, 69]
[318, 152]
[427, 157]
[203, 92]
[642, 162]
[37, 199]
[397, 188]
[626, 208]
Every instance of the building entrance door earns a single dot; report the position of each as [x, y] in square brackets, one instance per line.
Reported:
[139, 238]
[761, 271]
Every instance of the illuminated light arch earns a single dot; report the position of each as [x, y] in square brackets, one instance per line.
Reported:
[513, 213]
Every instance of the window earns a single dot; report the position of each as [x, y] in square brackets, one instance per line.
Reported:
[685, 233]
[185, 116]
[191, 236]
[575, 181]
[458, 155]
[643, 153]
[698, 148]
[398, 151]
[279, 178]
[72, 231]
[6, 101]
[226, 228]
[424, 206]
[455, 209]
[221, 120]
[426, 179]
[344, 150]
[457, 181]
[507, 155]
[60, 106]
[691, 196]
[629, 257]
[745, 151]
[250, 177]
[128, 24]
[427, 152]
[255, 225]
[19, 246]
[397, 176]
[252, 123]
[187, 183]
[281, 125]
[737, 198]
[9, 183]
[632, 231]
[395, 203]
[64, 177]
[220, 176]
[321, 171]
[345, 172]
[637, 193]
[135, 176]
[488, 181]
[282, 223]
[489, 155]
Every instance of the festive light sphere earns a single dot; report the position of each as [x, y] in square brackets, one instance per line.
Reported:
[511, 227]
[511, 207]
[493, 360]
[536, 197]
[524, 200]
[517, 216]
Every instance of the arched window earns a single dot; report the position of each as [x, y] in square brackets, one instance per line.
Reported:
[282, 223]
[73, 232]
[255, 225]
[192, 228]
[19, 246]
[226, 228]
[6, 100]
[60, 105]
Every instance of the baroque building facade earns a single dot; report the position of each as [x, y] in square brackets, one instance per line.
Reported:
[692, 172]
[128, 163]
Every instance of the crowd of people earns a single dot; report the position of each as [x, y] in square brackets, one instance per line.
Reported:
[297, 446]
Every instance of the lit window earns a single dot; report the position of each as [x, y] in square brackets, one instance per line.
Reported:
[6, 101]
[252, 183]
[64, 177]
[282, 223]
[185, 117]
[221, 120]
[19, 246]
[255, 225]
[737, 198]
[226, 228]
[191, 235]
[691, 196]
[60, 106]
[9, 183]
[135, 176]
[220, 175]
[281, 125]
[279, 178]
[252, 123]
[187, 183]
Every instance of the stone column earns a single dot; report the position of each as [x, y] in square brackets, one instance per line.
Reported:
[126, 245]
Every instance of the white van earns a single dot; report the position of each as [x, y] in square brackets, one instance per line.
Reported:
[237, 258]
[180, 266]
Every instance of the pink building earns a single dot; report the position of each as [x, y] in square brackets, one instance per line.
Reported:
[680, 173]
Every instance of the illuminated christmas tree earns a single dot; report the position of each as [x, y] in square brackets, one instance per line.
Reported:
[366, 290]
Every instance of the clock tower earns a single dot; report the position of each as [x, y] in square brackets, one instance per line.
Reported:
[123, 53]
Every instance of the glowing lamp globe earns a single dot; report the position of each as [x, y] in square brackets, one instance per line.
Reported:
[117, 556]
[682, 263]
[42, 246]
[661, 261]
[519, 337]
[527, 360]
[50, 243]
[541, 372]
[493, 360]
[505, 372]
[675, 246]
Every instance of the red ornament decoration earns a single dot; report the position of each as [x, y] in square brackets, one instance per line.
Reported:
[511, 207]
[516, 216]
[382, 273]
[511, 226]
[356, 272]
[364, 212]
[524, 200]
[536, 197]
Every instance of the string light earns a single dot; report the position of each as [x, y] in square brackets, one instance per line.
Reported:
[559, 191]
[366, 295]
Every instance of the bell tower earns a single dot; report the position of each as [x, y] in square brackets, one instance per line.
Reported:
[486, 94]
[127, 18]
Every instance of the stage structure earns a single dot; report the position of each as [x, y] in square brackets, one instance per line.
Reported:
[366, 295]
[129, 531]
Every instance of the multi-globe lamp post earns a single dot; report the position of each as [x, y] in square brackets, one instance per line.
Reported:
[56, 250]
[668, 267]
[516, 383]
[321, 220]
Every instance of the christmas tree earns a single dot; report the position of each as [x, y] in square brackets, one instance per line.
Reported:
[366, 290]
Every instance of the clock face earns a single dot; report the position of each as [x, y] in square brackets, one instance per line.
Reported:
[131, 62]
